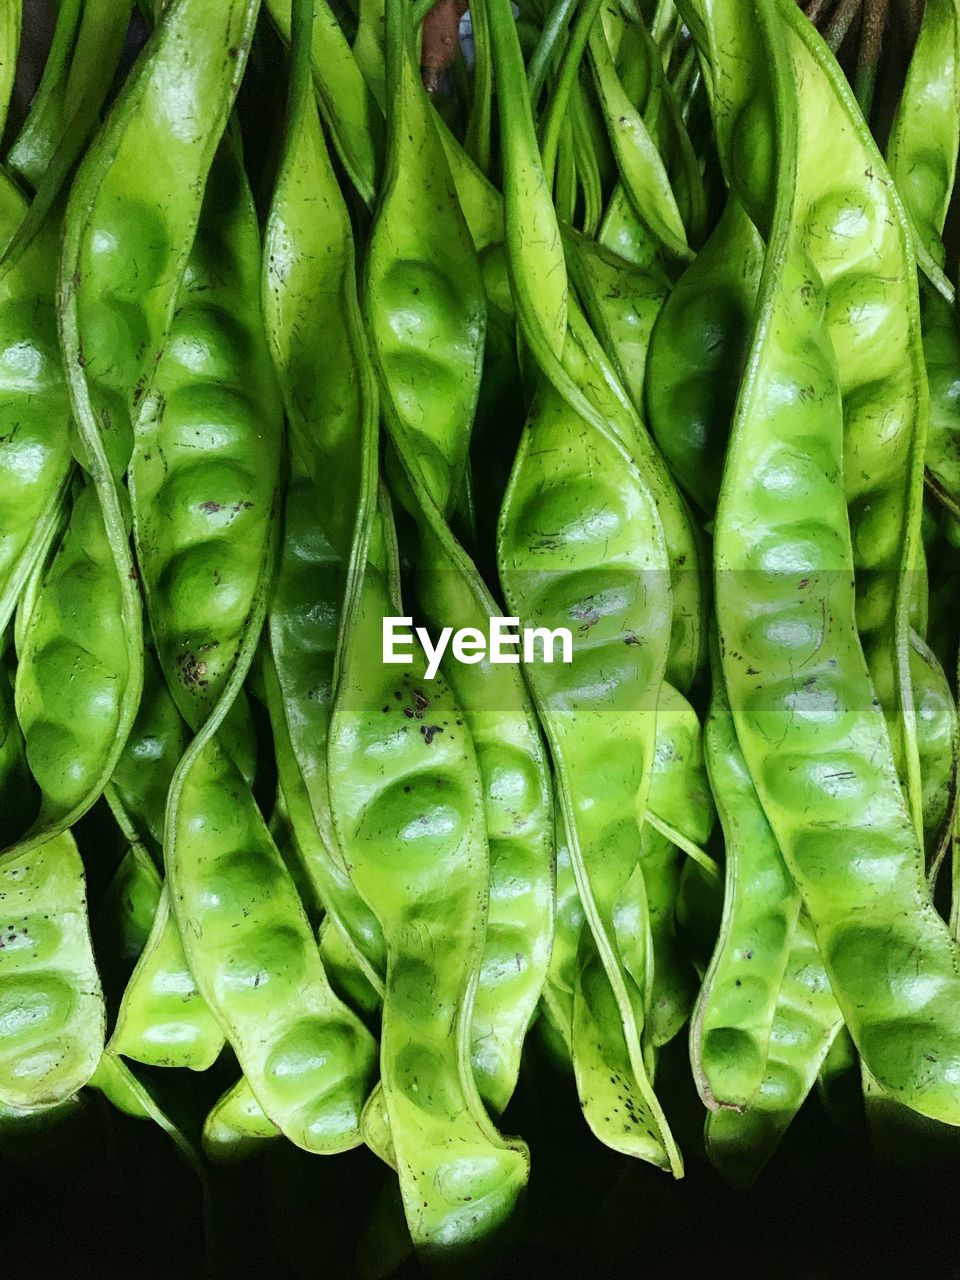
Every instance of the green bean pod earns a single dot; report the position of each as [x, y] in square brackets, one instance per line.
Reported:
[622, 302]
[35, 414]
[425, 308]
[347, 95]
[924, 137]
[680, 796]
[738, 1001]
[51, 1006]
[317, 344]
[856, 233]
[941, 351]
[130, 222]
[235, 1127]
[569, 919]
[205, 462]
[642, 170]
[608, 402]
[805, 1024]
[344, 910]
[808, 721]
[643, 71]
[580, 544]
[152, 751]
[75, 669]
[698, 349]
[124, 916]
[349, 976]
[31, 150]
[163, 1020]
[248, 943]
[937, 741]
[408, 815]
[534, 250]
[408, 804]
[51, 141]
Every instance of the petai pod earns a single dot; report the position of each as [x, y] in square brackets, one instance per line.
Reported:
[580, 544]
[805, 1024]
[808, 721]
[204, 470]
[35, 417]
[924, 137]
[130, 222]
[51, 1006]
[425, 308]
[698, 349]
[731, 1027]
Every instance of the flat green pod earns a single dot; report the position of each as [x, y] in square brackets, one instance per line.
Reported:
[163, 1020]
[51, 1005]
[739, 1143]
[580, 544]
[733, 1021]
[235, 1127]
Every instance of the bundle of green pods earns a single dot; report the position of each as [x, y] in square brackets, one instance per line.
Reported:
[638, 327]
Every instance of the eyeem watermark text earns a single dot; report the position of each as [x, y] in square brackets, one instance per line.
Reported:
[505, 641]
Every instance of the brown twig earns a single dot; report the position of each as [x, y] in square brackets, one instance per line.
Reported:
[815, 10]
[441, 30]
[911, 11]
[841, 22]
[871, 45]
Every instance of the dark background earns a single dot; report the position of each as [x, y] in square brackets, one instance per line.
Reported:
[106, 1195]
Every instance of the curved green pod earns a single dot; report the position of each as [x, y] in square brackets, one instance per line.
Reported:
[235, 1127]
[409, 811]
[732, 1023]
[163, 1020]
[51, 1006]
[580, 545]
[809, 723]
[204, 472]
[937, 742]
[130, 222]
[425, 308]
[348, 102]
[249, 945]
[35, 412]
[805, 1024]
[74, 672]
[698, 350]
[855, 230]
[941, 351]
[924, 139]
[679, 796]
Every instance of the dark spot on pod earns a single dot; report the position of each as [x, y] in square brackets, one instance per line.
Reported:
[429, 732]
[192, 670]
